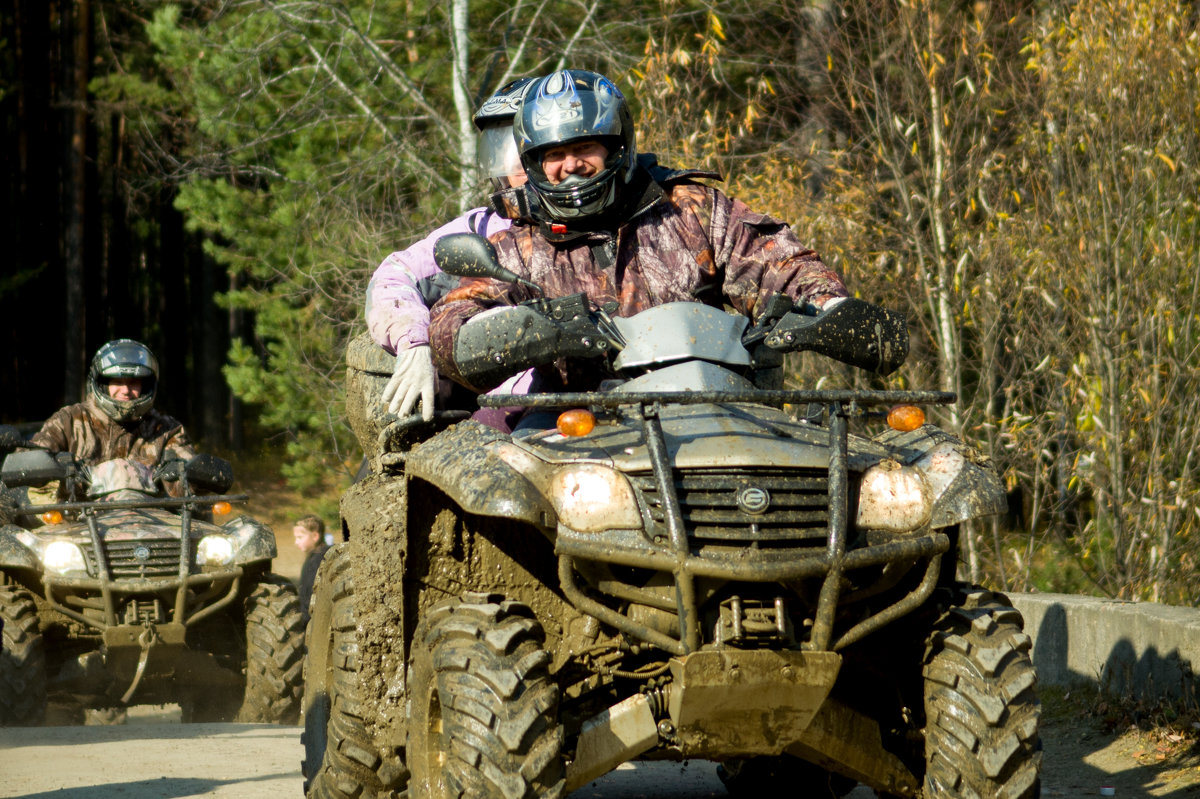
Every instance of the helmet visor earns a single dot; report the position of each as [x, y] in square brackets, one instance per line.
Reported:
[497, 155]
[125, 359]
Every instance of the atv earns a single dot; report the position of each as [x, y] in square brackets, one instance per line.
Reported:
[126, 595]
[686, 563]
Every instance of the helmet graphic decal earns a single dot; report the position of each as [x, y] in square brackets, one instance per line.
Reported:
[609, 100]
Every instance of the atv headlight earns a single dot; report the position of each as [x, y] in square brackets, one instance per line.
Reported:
[61, 557]
[590, 498]
[893, 498]
[214, 550]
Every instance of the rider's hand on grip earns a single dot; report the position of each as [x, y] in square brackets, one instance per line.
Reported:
[851, 331]
[171, 468]
[501, 342]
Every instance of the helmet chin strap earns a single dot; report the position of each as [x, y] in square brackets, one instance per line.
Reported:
[564, 204]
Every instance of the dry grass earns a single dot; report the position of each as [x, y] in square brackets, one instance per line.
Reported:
[1155, 746]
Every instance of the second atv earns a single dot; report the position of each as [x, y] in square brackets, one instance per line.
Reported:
[128, 596]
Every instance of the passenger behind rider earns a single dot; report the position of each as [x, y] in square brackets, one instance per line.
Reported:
[118, 420]
[408, 282]
[627, 232]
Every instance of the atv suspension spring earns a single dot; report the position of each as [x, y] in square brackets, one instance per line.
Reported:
[659, 697]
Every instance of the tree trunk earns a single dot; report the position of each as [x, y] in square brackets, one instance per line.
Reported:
[78, 23]
[462, 102]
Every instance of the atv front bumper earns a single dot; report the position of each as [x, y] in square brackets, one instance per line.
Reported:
[742, 703]
[190, 598]
[153, 661]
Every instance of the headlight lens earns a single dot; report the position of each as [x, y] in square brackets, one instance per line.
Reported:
[893, 498]
[214, 550]
[61, 557]
[591, 498]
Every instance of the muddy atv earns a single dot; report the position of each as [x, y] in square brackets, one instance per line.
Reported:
[137, 597]
[685, 564]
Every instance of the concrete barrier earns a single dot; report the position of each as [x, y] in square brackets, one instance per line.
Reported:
[1137, 649]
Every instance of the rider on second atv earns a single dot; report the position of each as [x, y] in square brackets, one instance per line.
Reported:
[117, 419]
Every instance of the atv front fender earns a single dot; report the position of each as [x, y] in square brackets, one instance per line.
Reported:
[462, 463]
[256, 541]
[14, 554]
[975, 492]
[964, 482]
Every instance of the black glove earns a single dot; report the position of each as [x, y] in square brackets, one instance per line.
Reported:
[502, 342]
[171, 468]
[851, 331]
[10, 504]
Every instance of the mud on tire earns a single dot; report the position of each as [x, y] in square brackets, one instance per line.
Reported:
[981, 709]
[22, 660]
[484, 719]
[274, 655]
[341, 761]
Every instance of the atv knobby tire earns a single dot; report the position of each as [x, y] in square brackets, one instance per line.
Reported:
[484, 718]
[274, 655]
[981, 709]
[22, 661]
[341, 761]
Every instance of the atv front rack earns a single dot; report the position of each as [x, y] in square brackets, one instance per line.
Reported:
[853, 400]
[125, 504]
[838, 407]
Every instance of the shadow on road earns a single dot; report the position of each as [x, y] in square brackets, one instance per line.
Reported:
[163, 787]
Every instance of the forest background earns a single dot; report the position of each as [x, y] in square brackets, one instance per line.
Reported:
[219, 178]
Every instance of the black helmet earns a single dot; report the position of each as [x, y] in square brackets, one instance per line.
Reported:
[574, 105]
[123, 358]
[496, 150]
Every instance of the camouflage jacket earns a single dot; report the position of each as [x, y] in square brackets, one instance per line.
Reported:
[92, 438]
[686, 242]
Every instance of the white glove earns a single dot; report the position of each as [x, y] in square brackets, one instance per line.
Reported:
[413, 378]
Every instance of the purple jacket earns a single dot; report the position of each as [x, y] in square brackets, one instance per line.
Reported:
[408, 283]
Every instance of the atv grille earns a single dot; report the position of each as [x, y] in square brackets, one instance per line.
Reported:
[769, 506]
[139, 557]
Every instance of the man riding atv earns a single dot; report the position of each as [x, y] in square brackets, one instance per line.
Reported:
[124, 591]
[118, 419]
[662, 561]
[628, 235]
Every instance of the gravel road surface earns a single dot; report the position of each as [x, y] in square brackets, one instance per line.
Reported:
[152, 756]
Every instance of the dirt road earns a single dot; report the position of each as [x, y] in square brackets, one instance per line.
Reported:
[154, 757]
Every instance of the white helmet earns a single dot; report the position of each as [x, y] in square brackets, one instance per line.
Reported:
[496, 150]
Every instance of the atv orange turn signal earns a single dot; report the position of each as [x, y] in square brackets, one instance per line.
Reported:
[221, 508]
[905, 418]
[52, 517]
[576, 422]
